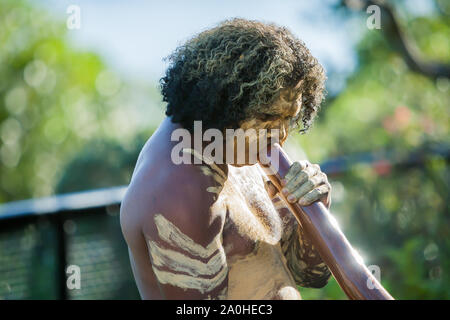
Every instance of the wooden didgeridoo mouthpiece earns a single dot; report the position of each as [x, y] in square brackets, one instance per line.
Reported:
[321, 228]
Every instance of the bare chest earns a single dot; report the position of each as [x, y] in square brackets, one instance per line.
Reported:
[250, 217]
[251, 239]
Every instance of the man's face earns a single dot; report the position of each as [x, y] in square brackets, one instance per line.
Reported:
[280, 116]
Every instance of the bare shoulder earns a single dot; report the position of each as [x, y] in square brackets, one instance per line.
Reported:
[165, 215]
[168, 193]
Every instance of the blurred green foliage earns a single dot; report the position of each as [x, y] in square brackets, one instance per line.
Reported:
[397, 219]
[54, 99]
[65, 126]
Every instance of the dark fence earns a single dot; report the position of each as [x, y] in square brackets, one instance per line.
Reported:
[40, 238]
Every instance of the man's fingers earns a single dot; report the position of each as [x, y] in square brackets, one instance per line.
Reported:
[304, 188]
[305, 183]
[314, 195]
[300, 179]
[293, 171]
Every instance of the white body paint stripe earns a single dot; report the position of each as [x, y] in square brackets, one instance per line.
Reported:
[215, 190]
[208, 172]
[172, 235]
[195, 270]
[179, 262]
[206, 160]
[189, 282]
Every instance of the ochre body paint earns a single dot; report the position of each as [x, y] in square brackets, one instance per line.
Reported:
[260, 250]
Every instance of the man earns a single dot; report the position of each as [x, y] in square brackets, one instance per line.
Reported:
[217, 229]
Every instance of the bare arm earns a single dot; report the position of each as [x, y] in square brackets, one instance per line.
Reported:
[303, 260]
[175, 245]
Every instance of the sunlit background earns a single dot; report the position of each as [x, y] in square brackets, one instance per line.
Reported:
[77, 104]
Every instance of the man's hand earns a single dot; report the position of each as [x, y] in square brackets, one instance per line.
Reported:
[305, 183]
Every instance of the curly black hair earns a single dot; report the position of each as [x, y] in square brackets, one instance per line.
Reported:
[236, 71]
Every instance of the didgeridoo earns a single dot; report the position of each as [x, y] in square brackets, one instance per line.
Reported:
[320, 227]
